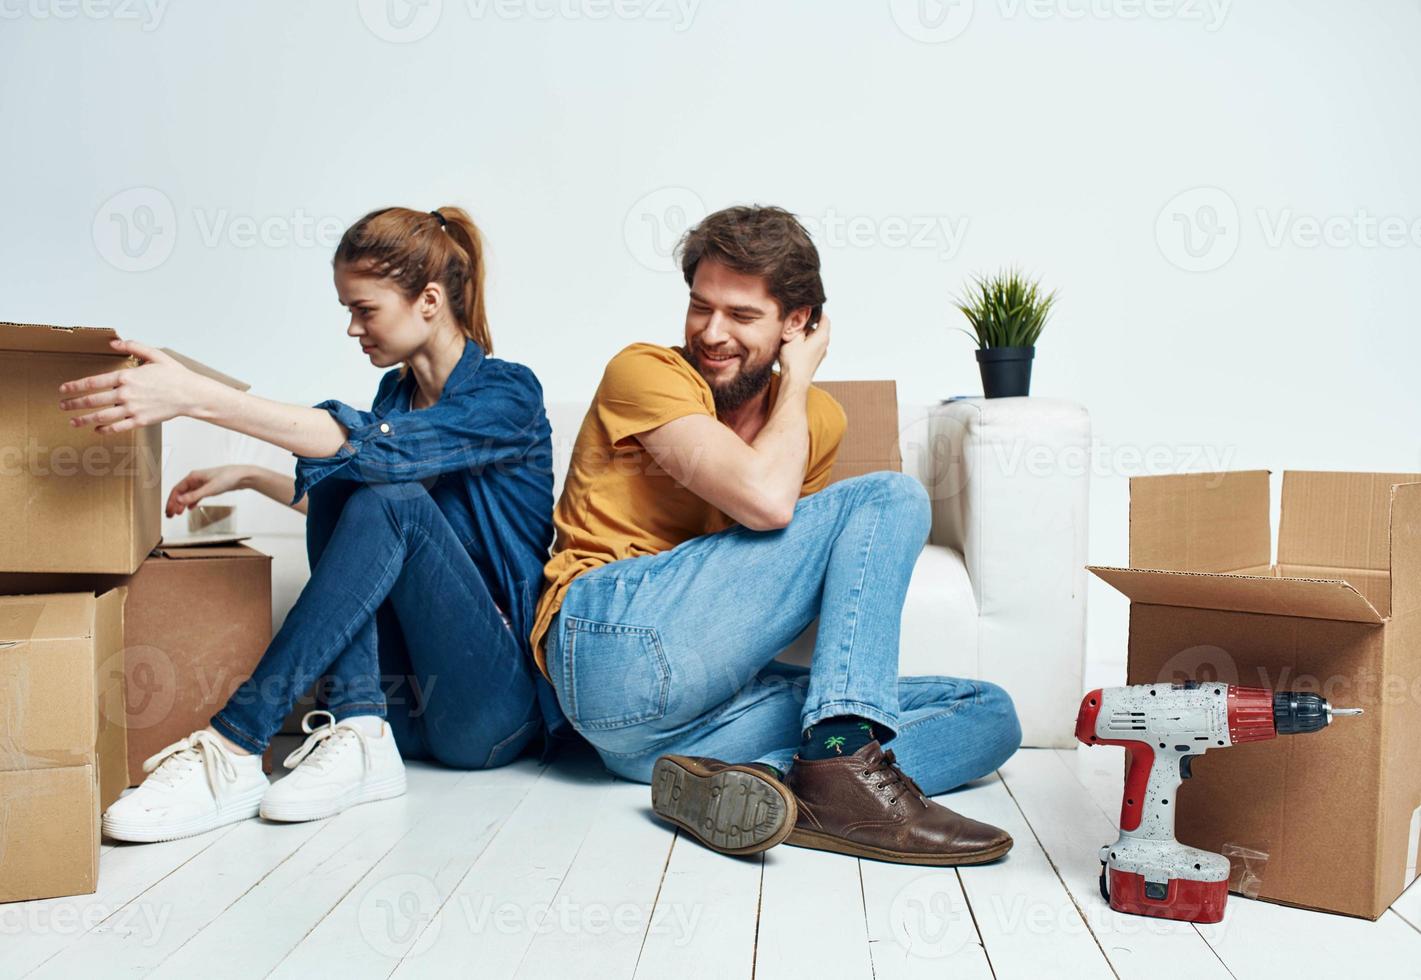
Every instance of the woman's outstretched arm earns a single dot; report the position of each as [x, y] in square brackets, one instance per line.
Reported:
[160, 389]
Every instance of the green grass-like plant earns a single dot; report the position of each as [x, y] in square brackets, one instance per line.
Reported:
[1006, 310]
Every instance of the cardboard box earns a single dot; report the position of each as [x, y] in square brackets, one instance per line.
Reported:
[1328, 820]
[197, 621]
[63, 751]
[870, 441]
[75, 502]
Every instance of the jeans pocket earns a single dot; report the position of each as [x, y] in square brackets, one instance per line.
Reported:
[617, 675]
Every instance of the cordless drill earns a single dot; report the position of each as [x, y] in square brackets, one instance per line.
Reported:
[1163, 727]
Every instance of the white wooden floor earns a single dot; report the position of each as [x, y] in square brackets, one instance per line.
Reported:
[562, 872]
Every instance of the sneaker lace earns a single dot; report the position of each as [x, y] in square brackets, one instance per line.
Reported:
[893, 776]
[200, 750]
[324, 743]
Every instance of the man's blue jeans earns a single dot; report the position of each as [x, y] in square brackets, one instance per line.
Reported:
[394, 601]
[674, 652]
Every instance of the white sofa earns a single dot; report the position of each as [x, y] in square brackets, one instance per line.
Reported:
[998, 594]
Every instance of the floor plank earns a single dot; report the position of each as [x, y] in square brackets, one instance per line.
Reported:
[919, 924]
[602, 914]
[382, 916]
[1028, 921]
[1408, 906]
[35, 932]
[706, 913]
[288, 903]
[185, 902]
[492, 915]
[811, 917]
[1072, 828]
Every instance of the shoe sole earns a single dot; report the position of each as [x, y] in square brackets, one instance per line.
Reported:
[825, 842]
[303, 812]
[232, 812]
[735, 810]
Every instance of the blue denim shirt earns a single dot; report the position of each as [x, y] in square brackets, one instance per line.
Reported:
[484, 452]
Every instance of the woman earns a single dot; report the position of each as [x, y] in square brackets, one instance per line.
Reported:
[429, 521]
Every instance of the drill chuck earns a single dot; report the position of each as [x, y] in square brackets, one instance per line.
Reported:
[1295, 713]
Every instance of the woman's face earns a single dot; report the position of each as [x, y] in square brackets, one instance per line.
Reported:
[390, 327]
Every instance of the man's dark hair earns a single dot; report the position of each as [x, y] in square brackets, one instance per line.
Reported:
[760, 241]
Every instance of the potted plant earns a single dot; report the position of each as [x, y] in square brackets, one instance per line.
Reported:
[1007, 312]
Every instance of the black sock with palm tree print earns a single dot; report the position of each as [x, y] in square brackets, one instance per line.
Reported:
[834, 737]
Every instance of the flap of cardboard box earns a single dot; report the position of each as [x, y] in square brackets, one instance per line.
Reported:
[870, 439]
[208, 552]
[62, 340]
[44, 338]
[1271, 595]
[1200, 522]
[1341, 520]
[64, 616]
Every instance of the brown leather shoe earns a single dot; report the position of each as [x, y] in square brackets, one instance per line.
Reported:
[863, 804]
[731, 808]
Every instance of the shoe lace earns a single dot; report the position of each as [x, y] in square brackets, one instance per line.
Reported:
[892, 776]
[201, 750]
[324, 743]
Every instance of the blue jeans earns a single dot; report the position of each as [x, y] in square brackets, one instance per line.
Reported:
[394, 599]
[674, 652]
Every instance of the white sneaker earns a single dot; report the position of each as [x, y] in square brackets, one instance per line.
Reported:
[193, 786]
[341, 764]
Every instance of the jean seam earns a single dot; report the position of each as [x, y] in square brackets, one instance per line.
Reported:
[238, 735]
[498, 747]
[847, 664]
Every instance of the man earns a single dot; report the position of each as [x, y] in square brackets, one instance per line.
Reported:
[697, 536]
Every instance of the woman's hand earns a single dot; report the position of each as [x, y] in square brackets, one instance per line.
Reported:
[201, 484]
[155, 391]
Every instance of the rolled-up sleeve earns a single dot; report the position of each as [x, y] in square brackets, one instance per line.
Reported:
[500, 420]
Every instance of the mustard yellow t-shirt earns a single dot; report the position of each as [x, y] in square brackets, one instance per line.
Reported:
[617, 502]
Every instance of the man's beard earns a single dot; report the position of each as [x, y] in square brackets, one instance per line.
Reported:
[746, 385]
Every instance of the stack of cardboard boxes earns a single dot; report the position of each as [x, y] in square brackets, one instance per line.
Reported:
[111, 647]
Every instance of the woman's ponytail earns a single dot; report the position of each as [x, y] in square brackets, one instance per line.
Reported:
[414, 248]
[465, 233]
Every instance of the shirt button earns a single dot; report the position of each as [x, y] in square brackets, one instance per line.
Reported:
[385, 427]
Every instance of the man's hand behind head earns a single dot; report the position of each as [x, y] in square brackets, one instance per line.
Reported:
[801, 355]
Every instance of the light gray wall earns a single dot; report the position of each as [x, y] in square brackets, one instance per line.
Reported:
[1082, 139]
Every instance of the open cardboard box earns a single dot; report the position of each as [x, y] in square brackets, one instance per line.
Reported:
[1329, 820]
[74, 501]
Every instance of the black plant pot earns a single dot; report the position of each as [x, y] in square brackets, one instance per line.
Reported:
[1006, 371]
